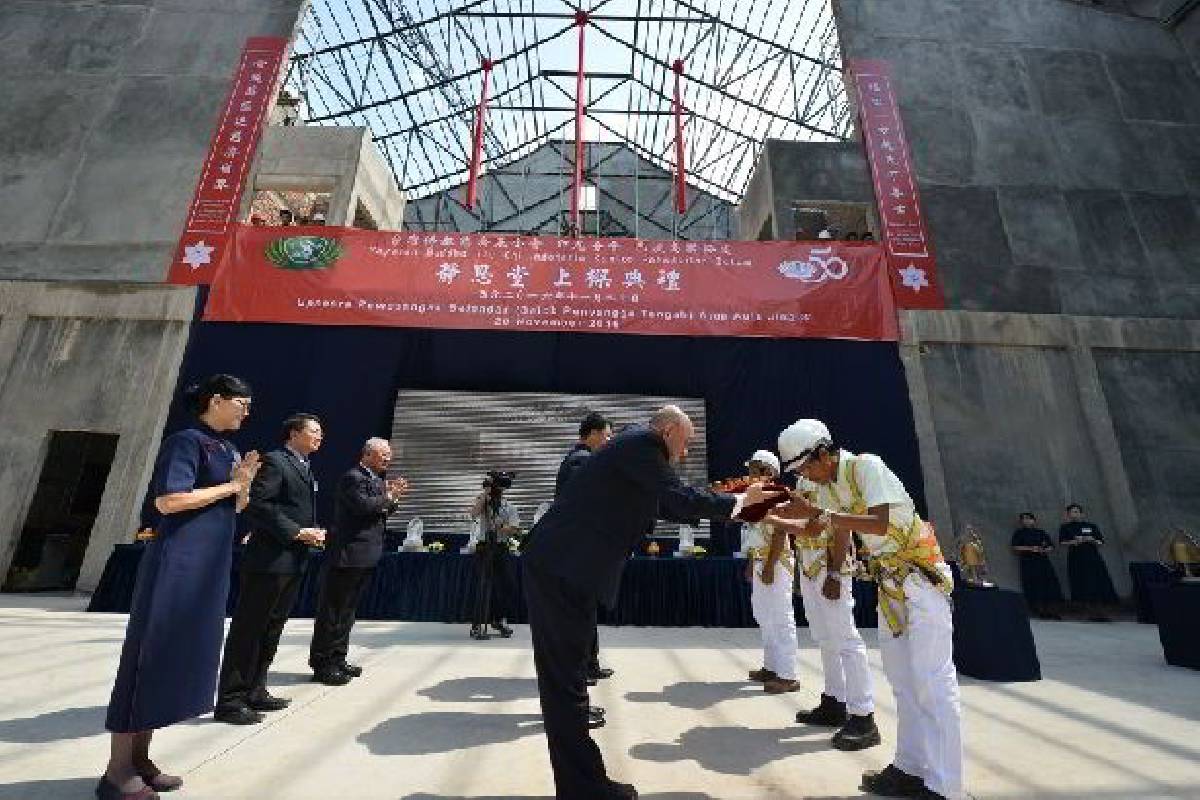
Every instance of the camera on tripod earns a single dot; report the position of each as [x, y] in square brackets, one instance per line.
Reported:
[497, 481]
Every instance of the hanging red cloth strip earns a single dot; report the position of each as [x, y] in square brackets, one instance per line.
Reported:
[477, 149]
[581, 19]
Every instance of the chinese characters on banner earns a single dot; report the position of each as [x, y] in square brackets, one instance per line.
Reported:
[905, 235]
[215, 206]
[345, 276]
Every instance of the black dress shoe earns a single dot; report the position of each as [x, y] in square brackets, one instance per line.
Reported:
[859, 733]
[595, 711]
[622, 791]
[505, 631]
[353, 670]
[331, 677]
[479, 633]
[892, 781]
[268, 702]
[596, 722]
[237, 715]
[600, 673]
[590, 681]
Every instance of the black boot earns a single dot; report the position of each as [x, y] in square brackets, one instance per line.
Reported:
[505, 631]
[479, 633]
[892, 782]
[858, 733]
[831, 713]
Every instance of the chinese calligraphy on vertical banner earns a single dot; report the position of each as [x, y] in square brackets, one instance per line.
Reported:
[215, 206]
[905, 235]
[344, 276]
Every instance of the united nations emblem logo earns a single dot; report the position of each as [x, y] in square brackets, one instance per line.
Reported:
[304, 252]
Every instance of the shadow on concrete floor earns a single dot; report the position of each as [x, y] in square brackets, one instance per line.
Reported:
[54, 726]
[732, 750]
[481, 690]
[444, 731]
[653, 796]
[696, 695]
[288, 678]
[50, 790]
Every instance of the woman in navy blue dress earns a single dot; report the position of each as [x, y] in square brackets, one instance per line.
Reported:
[1091, 586]
[172, 650]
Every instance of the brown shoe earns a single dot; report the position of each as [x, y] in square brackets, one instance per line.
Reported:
[781, 686]
[762, 675]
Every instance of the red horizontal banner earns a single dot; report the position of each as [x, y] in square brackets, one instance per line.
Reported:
[345, 276]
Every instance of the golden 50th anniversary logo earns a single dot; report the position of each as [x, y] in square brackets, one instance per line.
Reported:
[304, 252]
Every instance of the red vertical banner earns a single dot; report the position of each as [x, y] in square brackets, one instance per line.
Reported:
[904, 231]
[581, 19]
[477, 145]
[680, 173]
[213, 213]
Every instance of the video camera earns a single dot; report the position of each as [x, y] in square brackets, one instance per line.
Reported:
[498, 481]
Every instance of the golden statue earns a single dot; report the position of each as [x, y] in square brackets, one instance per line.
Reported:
[1183, 553]
[972, 560]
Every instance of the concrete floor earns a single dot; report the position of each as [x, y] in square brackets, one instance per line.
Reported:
[438, 717]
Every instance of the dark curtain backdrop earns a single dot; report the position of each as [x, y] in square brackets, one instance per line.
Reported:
[752, 388]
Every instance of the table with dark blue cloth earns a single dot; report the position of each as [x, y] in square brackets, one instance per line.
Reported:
[440, 587]
[1177, 609]
[992, 637]
[1143, 576]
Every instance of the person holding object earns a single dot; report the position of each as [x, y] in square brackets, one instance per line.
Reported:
[498, 522]
[169, 660]
[1091, 587]
[770, 568]
[859, 494]
[282, 513]
[848, 700]
[363, 501]
[1039, 582]
[575, 559]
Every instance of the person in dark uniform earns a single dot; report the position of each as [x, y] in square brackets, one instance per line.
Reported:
[363, 501]
[575, 559]
[282, 513]
[1038, 580]
[168, 666]
[594, 433]
[1091, 587]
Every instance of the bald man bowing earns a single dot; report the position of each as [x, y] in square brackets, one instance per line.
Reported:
[576, 554]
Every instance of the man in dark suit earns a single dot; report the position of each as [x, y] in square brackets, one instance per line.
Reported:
[282, 515]
[594, 433]
[363, 501]
[575, 560]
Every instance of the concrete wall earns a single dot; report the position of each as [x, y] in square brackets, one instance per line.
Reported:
[530, 193]
[73, 357]
[1057, 146]
[108, 111]
[340, 160]
[1031, 412]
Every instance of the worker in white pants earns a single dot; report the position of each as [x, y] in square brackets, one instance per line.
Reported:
[771, 568]
[848, 687]
[914, 583]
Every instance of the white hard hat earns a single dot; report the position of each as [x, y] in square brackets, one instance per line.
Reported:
[799, 440]
[766, 458]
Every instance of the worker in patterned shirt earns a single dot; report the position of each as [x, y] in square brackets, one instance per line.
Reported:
[826, 585]
[770, 570]
[865, 497]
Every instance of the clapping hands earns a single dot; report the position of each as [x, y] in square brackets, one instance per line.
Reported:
[397, 488]
[245, 470]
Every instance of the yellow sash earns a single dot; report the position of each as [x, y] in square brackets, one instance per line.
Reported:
[916, 550]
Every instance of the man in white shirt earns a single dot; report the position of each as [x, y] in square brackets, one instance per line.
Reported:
[771, 568]
[916, 636]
